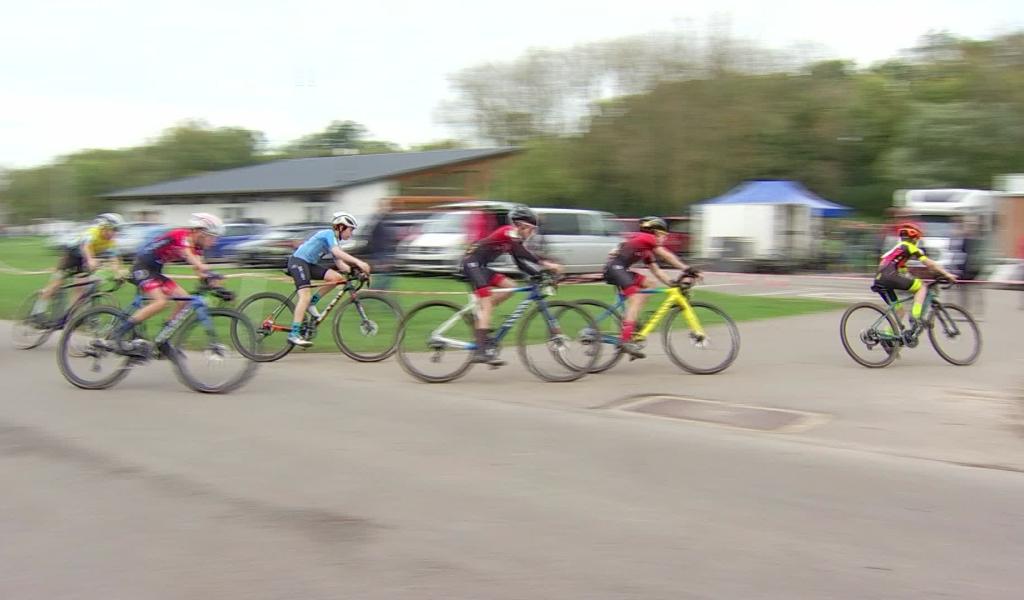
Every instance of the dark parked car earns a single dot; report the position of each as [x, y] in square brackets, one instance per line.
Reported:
[234, 235]
[273, 248]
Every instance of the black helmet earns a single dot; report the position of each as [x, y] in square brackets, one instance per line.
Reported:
[522, 213]
[653, 224]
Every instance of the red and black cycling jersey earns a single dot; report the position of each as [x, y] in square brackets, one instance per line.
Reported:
[170, 247]
[899, 255]
[639, 246]
[503, 240]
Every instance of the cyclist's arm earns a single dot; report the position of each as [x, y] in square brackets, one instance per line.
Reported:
[931, 264]
[667, 256]
[197, 263]
[659, 273]
[344, 259]
[87, 256]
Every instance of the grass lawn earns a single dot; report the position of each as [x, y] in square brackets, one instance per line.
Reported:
[30, 254]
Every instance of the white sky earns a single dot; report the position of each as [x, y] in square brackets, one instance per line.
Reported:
[112, 73]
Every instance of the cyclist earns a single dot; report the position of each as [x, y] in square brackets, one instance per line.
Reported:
[893, 275]
[84, 256]
[185, 244]
[509, 239]
[303, 267]
[645, 245]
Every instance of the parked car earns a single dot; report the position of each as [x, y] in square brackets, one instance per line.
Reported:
[579, 240]
[441, 241]
[678, 240]
[66, 235]
[234, 234]
[275, 245]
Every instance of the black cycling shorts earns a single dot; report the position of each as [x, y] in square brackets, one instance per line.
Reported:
[303, 273]
[627, 281]
[73, 262]
[893, 279]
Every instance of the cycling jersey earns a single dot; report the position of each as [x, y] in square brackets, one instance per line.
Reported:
[900, 254]
[892, 270]
[503, 240]
[170, 247]
[639, 246]
[95, 241]
[317, 245]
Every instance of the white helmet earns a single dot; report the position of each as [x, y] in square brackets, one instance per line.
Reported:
[345, 219]
[206, 222]
[111, 220]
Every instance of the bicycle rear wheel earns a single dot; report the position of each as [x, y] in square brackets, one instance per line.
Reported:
[271, 315]
[30, 331]
[608, 332]
[955, 335]
[702, 356]
[204, 362]
[431, 355]
[562, 350]
[861, 331]
[366, 327]
[87, 354]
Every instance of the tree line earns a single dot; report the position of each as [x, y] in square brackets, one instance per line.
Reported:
[651, 124]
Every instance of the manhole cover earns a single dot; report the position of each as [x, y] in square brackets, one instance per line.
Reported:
[720, 413]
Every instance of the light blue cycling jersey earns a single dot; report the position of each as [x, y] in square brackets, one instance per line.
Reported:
[317, 245]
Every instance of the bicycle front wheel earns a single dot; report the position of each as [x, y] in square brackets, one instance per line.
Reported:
[862, 331]
[702, 355]
[558, 345]
[87, 354]
[430, 352]
[214, 356]
[955, 335]
[271, 315]
[608, 333]
[30, 330]
[366, 327]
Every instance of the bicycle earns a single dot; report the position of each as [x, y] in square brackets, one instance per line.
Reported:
[882, 333]
[437, 332]
[32, 330]
[359, 337]
[710, 335]
[193, 342]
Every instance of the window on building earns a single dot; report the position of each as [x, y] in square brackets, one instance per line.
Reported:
[233, 213]
[315, 213]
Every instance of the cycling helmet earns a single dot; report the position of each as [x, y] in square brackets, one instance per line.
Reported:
[909, 230]
[653, 224]
[522, 213]
[343, 219]
[111, 220]
[206, 222]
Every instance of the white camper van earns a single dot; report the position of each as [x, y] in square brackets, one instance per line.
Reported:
[939, 213]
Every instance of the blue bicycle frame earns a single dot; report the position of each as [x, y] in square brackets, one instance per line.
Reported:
[537, 296]
[196, 304]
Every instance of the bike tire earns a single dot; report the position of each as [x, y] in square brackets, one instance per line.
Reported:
[28, 332]
[414, 342]
[69, 347]
[888, 357]
[573, 322]
[724, 321]
[943, 318]
[190, 353]
[266, 305]
[386, 316]
[610, 330]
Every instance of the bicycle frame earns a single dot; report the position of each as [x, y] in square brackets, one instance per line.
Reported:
[536, 297]
[195, 303]
[93, 286]
[927, 314]
[341, 289]
[674, 297]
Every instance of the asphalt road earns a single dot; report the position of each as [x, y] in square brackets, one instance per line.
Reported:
[327, 479]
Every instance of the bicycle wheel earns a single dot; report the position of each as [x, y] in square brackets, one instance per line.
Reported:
[609, 330]
[712, 354]
[954, 334]
[859, 332]
[271, 315]
[30, 331]
[562, 349]
[429, 354]
[93, 301]
[366, 327]
[87, 355]
[204, 362]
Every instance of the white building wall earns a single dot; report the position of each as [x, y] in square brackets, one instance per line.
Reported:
[362, 201]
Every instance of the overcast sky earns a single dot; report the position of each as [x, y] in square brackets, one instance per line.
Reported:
[111, 73]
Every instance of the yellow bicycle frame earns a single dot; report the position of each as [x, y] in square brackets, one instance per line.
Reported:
[674, 298]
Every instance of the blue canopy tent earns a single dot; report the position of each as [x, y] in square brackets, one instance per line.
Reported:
[769, 191]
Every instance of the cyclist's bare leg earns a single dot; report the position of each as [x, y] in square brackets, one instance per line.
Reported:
[486, 304]
[302, 299]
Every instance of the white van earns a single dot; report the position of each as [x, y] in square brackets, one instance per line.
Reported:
[578, 239]
[939, 211]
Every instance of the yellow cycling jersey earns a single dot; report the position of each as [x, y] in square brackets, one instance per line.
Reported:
[97, 244]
